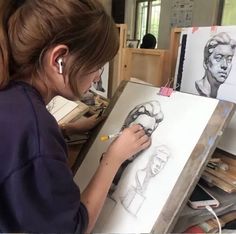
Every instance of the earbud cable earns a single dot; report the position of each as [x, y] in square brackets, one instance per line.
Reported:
[213, 212]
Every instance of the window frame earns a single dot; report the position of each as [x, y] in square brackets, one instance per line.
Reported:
[149, 8]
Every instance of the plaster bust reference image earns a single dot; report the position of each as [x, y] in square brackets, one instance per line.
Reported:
[218, 56]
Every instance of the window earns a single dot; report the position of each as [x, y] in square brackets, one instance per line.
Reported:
[147, 18]
[229, 16]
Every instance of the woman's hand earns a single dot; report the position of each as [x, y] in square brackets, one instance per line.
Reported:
[130, 142]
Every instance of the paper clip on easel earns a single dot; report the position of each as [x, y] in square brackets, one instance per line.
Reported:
[167, 90]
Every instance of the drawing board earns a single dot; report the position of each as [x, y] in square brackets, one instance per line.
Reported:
[139, 199]
[192, 69]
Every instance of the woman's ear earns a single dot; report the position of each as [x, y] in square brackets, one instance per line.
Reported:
[58, 58]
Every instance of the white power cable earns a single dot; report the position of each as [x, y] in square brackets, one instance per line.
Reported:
[213, 212]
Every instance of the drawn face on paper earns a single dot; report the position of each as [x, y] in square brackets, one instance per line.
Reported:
[220, 63]
[159, 160]
[148, 115]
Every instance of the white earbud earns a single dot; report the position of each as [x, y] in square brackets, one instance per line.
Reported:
[60, 64]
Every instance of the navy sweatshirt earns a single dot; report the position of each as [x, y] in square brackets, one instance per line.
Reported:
[37, 191]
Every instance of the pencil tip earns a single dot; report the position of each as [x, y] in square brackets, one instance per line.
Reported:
[104, 138]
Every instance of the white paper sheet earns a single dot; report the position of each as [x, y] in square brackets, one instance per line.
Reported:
[59, 107]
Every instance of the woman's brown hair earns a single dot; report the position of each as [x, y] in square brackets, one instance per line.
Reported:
[29, 28]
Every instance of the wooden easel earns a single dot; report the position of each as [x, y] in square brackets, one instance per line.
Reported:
[149, 65]
[115, 76]
[174, 44]
[194, 167]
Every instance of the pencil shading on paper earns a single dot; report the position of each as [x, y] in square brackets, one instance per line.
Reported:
[135, 195]
[148, 115]
[101, 87]
[179, 131]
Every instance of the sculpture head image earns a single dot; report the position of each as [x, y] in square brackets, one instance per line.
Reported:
[218, 55]
[148, 115]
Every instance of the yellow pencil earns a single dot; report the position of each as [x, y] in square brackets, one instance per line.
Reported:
[107, 137]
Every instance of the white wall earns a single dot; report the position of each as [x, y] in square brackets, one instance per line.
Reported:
[204, 14]
[130, 17]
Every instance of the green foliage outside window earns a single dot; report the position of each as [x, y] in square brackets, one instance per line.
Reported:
[229, 13]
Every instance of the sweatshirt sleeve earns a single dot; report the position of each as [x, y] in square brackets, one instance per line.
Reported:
[44, 198]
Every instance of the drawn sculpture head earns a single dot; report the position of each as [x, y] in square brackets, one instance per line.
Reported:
[134, 198]
[148, 115]
[159, 159]
[218, 55]
[156, 163]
